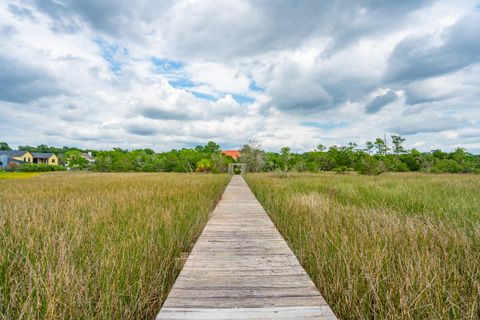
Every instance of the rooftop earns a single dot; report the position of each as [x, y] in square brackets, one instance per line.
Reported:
[13, 153]
[235, 154]
[42, 155]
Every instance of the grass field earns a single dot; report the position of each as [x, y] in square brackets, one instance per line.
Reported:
[18, 175]
[97, 246]
[395, 246]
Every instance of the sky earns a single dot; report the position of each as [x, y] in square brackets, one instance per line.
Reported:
[173, 74]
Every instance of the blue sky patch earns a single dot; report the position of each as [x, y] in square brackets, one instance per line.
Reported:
[180, 83]
[166, 65]
[323, 125]
[254, 87]
[242, 99]
[109, 51]
[203, 96]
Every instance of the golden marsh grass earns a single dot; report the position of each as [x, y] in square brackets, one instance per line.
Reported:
[396, 246]
[97, 246]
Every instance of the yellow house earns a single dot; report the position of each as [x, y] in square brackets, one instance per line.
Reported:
[45, 158]
[19, 155]
[14, 157]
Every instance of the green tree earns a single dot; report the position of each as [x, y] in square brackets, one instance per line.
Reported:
[271, 161]
[371, 166]
[74, 160]
[220, 162]
[253, 155]
[43, 148]
[465, 160]
[320, 148]
[439, 154]
[212, 147]
[4, 146]
[285, 158]
[397, 142]
[26, 148]
[204, 165]
[341, 156]
[381, 146]
[369, 147]
[209, 148]
[351, 146]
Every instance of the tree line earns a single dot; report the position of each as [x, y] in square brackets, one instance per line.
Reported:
[376, 157]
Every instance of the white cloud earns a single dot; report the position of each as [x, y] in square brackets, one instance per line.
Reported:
[218, 77]
[298, 74]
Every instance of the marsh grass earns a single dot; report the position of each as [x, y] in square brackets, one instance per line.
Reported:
[396, 246]
[97, 246]
[18, 175]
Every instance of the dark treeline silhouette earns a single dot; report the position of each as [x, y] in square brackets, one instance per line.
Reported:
[376, 157]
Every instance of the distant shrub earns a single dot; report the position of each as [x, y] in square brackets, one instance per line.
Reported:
[393, 163]
[446, 166]
[311, 166]
[204, 165]
[371, 166]
[237, 170]
[341, 169]
[32, 167]
[401, 167]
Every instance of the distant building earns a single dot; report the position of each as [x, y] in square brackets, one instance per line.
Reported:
[18, 157]
[14, 157]
[88, 156]
[45, 158]
[235, 154]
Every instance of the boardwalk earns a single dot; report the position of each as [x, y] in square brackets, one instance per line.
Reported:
[241, 268]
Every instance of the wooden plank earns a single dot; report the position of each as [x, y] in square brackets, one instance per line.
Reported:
[279, 313]
[242, 268]
[243, 302]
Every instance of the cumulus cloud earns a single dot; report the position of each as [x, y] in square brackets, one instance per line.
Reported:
[22, 12]
[142, 127]
[418, 57]
[162, 114]
[118, 18]
[23, 82]
[425, 123]
[377, 103]
[258, 26]
[295, 91]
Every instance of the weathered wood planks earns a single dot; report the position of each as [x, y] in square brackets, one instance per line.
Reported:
[242, 268]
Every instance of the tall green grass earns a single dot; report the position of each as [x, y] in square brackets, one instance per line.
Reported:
[396, 246]
[17, 175]
[97, 246]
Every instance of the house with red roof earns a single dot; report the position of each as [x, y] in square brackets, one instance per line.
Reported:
[235, 154]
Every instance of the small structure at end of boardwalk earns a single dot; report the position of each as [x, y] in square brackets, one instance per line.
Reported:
[242, 268]
[237, 168]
